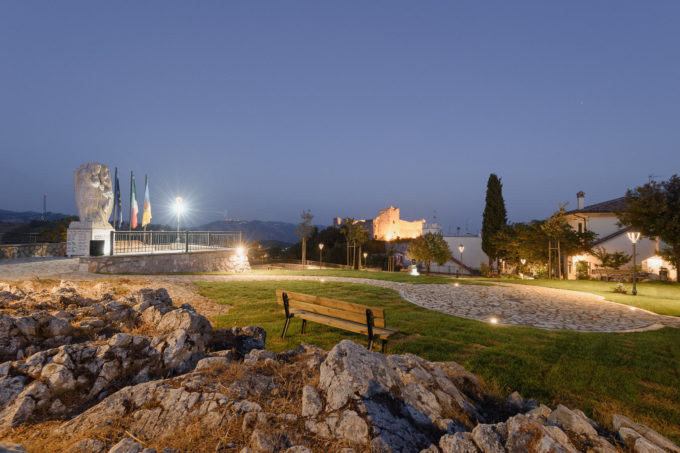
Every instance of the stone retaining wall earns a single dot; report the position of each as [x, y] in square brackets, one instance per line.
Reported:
[162, 263]
[8, 251]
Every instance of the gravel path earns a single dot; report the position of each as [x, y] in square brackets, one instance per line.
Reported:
[521, 305]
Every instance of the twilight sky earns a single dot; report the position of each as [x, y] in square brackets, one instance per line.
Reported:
[262, 109]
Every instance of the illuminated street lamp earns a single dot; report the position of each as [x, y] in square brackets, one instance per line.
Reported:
[634, 236]
[461, 247]
[523, 261]
[179, 208]
[365, 256]
[320, 255]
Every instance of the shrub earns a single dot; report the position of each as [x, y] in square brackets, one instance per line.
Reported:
[484, 269]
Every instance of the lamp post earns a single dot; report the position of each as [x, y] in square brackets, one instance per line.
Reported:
[634, 236]
[523, 261]
[365, 256]
[461, 247]
[178, 208]
[320, 255]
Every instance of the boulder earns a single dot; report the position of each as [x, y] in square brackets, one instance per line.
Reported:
[311, 402]
[621, 421]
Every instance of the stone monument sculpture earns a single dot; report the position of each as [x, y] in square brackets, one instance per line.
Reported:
[94, 199]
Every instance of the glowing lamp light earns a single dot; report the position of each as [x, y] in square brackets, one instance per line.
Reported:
[388, 237]
[179, 205]
[634, 236]
[493, 321]
[632, 308]
[320, 246]
[240, 251]
[461, 247]
[523, 261]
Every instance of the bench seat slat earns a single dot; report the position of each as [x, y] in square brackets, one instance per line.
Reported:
[343, 324]
[378, 312]
[330, 312]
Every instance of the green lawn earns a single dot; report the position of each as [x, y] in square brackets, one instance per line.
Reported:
[659, 297]
[401, 277]
[637, 374]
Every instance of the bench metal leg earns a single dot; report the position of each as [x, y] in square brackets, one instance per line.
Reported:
[285, 328]
[304, 327]
[370, 344]
[384, 346]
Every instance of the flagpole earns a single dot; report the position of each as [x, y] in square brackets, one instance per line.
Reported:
[130, 216]
[146, 184]
[115, 198]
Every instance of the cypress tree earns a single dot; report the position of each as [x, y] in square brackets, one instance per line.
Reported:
[495, 217]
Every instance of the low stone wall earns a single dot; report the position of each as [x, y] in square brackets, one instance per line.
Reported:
[8, 251]
[164, 263]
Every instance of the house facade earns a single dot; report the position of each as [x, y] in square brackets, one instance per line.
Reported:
[601, 219]
[468, 262]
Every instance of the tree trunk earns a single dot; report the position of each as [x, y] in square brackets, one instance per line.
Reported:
[559, 262]
[304, 251]
[427, 268]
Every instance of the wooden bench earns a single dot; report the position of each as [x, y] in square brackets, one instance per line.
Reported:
[357, 318]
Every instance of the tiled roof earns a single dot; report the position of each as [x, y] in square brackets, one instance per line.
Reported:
[617, 204]
[611, 236]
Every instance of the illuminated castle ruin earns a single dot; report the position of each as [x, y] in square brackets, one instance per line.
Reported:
[388, 226]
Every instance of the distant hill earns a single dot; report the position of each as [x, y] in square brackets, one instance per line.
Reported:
[27, 216]
[257, 230]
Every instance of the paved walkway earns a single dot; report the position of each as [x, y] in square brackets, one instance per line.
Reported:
[544, 308]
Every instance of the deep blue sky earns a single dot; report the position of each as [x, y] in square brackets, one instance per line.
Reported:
[267, 108]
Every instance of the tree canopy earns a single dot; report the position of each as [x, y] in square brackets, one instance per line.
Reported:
[529, 241]
[428, 248]
[303, 231]
[495, 216]
[654, 210]
[356, 236]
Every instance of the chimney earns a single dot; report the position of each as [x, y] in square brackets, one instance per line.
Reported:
[580, 199]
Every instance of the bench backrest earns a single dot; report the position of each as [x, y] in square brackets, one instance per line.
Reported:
[331, 307]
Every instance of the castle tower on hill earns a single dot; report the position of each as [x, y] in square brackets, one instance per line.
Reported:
[388, 226]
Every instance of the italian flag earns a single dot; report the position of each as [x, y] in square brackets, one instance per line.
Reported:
[133, 204]
[146, 214]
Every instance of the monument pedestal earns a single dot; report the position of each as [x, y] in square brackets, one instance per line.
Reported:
[79, 235]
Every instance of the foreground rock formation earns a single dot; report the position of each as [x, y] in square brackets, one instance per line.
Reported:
[137, 373]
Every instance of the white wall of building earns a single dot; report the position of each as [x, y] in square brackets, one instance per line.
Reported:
[472, 254]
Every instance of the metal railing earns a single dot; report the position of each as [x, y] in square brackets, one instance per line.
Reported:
[142, 242]
[21, 238]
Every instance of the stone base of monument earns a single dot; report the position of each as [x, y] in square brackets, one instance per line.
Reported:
[79, 235]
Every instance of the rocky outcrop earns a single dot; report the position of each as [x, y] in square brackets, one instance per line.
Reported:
[158, 378]
[63, 352]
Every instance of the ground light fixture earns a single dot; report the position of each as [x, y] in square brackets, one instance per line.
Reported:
[321, 255]
[634, 236]
[493, 320]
